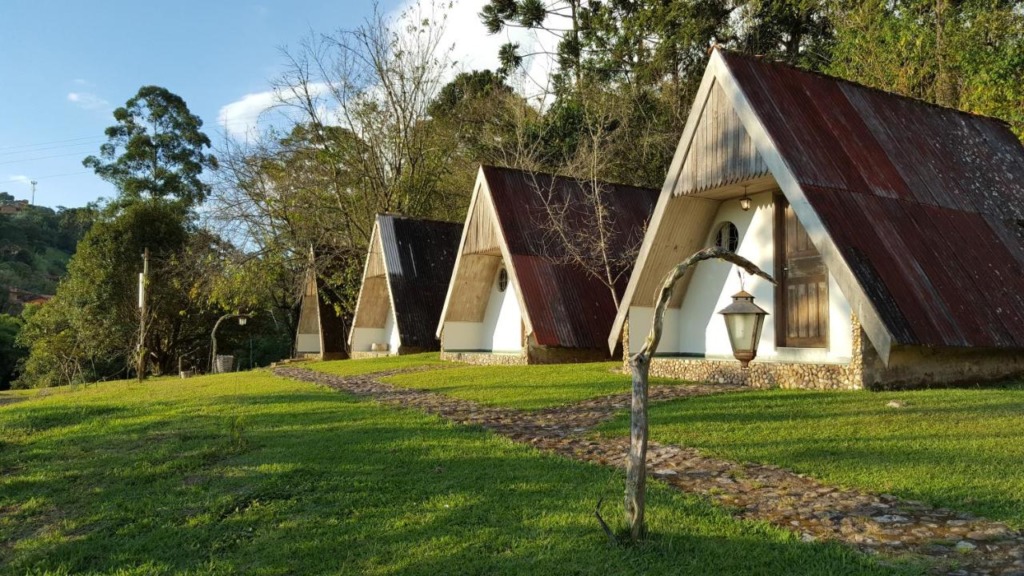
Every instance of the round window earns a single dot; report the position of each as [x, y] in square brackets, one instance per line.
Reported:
[502, 280]
[727, 237]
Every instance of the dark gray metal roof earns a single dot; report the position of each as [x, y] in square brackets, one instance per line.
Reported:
[420, 256]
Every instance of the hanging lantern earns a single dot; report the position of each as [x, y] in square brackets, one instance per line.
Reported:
[743, 321]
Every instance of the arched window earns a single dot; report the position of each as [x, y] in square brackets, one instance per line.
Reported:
[502, 280]
[727, 237]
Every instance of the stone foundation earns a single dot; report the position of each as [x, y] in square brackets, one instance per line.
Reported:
[760, 374]
[485, 358]
[364, 354]
[766, 374]
[909, 367]
[530, 355]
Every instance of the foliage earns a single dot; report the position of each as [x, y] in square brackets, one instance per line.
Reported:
[261, 475]
[359, 141]
[156, 150]
[35, 245]
[89, 330]
[958, 449]
[10, 353]
[963, 54]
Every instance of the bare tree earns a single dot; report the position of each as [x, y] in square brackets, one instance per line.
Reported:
[357, 140]
[582, 229]
[640, 364]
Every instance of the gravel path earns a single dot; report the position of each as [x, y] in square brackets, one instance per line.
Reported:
[958, 543]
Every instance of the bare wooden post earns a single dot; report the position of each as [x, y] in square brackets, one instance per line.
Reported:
[640, 364]
[143, 301]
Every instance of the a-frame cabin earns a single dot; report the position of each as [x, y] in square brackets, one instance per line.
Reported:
[408, 266]
[321, 332]
[512, 300]
[895, 229]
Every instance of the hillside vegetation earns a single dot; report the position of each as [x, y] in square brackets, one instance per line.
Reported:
[35, 246]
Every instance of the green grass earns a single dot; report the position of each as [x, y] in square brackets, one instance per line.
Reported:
[371, 365]
[524, 387]
[962, 449]
[252, 474]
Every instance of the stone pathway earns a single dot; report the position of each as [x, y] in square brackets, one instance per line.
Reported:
[957, 543]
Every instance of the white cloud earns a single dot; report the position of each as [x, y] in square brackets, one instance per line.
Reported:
[475, 49]
[21, 179]
[87, 100]
[243, 117]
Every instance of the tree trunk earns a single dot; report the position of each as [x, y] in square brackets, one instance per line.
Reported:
[640, 363]
[636, 464]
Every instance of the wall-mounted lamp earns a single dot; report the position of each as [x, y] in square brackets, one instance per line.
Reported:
[745, 201]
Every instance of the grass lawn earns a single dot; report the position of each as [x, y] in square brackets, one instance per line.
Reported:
[524, 387]
[248, 473]
[371, 365]
[962, 449]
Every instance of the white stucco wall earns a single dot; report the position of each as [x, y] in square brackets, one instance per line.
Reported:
[500, 330]
[502, 326]
[462, 336]
[363, 338]
[307, 344]
[391, 333]
[712, 287]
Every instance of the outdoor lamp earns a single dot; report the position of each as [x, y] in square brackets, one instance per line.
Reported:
[743, 321]
[242, 320]
[745, 201]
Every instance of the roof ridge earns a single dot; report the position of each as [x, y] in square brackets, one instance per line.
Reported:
[415, 218]
[761, 59]
[486, 167]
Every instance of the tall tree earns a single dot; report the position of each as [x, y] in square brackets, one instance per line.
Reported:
[360, 140]
[10, 352]
[155, 150]
[966, 54]
[90, 329]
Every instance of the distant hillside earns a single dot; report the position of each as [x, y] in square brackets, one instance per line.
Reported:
[35, 246]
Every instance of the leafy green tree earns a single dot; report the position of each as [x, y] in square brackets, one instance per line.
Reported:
[89, 330]
[10, 352]
[155, 150]
[966, 54]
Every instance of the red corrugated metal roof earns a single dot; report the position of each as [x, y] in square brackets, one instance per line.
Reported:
[925, 204]
[567, 306]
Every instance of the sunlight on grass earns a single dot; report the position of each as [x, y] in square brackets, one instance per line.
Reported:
[960, 449]
[371, 365]
[248, 473]
[524, 387]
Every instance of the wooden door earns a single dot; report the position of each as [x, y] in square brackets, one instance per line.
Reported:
[802, 292]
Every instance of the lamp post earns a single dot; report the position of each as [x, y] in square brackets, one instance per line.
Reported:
[743, 321]
[242, 319]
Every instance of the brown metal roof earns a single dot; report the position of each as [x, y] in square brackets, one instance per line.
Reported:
[925, 204]
[567, 306]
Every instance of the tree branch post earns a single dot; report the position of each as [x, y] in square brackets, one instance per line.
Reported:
[640, 365]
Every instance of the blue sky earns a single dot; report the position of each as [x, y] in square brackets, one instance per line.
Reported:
[65, 65]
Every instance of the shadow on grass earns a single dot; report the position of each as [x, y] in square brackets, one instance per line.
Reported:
[308, 483]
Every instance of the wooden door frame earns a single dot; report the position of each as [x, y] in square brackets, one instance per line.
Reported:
[780, 203]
